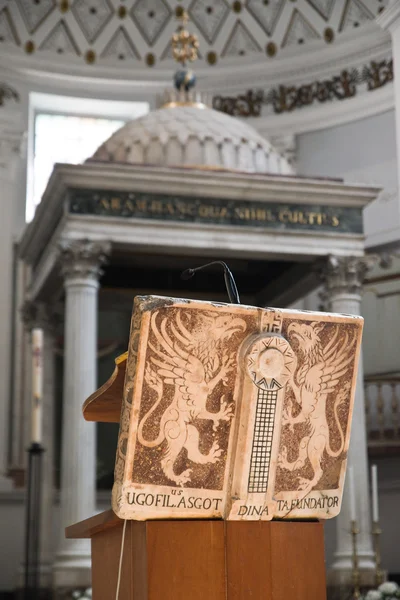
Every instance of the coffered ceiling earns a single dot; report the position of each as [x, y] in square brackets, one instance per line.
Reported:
[135, 34]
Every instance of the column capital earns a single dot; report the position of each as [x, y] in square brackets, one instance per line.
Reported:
[12, 148]
[39, 314]
[82, 259]
[345, 275]
[13, 137]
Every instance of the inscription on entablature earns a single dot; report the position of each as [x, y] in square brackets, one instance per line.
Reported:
[219, 211]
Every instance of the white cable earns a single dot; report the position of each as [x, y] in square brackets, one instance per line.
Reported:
[121, 555]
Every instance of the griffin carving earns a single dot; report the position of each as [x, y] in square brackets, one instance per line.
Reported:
[194, 363]
[318, 376]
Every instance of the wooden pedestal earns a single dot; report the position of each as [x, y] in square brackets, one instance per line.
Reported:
[205, 560]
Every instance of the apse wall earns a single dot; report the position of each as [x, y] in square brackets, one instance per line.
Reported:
[362, 151]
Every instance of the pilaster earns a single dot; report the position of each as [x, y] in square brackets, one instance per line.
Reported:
[81, 267]
[342, 279]
[11, 138]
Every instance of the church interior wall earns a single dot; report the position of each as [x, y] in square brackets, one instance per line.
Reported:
[363, 151]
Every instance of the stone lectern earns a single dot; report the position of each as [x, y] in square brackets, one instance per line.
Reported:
[234, 431]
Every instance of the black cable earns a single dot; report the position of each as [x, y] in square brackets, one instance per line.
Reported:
[230, 283]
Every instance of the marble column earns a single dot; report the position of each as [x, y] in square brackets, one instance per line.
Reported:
[343, 278]
[41, 315]
[10, 154]
[81, 266]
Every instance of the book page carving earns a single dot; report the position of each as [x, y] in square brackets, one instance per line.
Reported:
[235, 412]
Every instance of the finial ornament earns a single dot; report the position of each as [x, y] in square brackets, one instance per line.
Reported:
[184, 44]
[184, 48]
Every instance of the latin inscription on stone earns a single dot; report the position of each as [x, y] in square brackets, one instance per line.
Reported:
[217, 210]
[235, 412]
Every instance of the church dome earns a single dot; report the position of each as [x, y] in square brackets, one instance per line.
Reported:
[192, 135]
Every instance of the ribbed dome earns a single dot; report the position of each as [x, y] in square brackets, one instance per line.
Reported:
[191, 136]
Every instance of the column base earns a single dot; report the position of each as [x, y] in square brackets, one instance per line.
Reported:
[45, 576]
[72, 571]
[67, 593]
[341, 572]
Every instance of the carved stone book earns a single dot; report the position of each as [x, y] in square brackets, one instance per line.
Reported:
[235, 412]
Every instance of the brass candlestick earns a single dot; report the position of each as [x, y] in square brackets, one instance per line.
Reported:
[376, 532]
[356, 573]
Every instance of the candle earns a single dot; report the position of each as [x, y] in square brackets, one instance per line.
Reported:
[352, 495]
[37, 385]
[374, 480]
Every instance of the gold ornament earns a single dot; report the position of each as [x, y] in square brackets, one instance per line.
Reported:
[184, 44]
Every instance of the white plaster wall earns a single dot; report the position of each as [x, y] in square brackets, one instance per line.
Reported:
[381, 311]
[363, 151]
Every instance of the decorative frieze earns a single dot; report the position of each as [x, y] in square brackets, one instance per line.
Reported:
[286, 98]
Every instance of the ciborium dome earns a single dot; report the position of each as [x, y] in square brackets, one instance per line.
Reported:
[185, 132]
[192, 135]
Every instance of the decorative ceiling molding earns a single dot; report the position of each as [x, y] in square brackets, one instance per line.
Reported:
[120, 47]
[355, 14]
[266, 18]
[151, 17]
[231, 33]
[35, 13]
[324, 7]
[299, 30]
[8, 33]
[92, 17]
[240, 42]
[60, 40]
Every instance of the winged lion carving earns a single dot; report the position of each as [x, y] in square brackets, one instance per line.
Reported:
[319, 375]
[194, 362]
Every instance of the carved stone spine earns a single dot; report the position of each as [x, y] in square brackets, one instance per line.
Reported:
[127, 402]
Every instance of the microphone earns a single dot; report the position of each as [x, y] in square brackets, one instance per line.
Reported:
[188, 274]
[230, 283]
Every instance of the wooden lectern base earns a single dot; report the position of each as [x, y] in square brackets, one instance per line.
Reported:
[205, 560]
